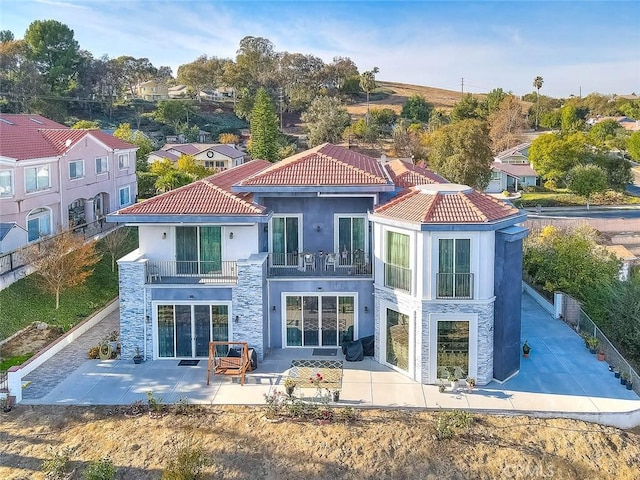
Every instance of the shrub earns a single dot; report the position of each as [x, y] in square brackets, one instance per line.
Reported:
[186, 460]
[94, 352]
[57, 465]
[452, 423]
[102, 469]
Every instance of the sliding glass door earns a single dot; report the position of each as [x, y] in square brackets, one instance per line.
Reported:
[198, 250]
[319, 320]
[285, 243]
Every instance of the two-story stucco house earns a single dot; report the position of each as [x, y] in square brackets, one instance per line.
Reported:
[319, 249]
[52, 176]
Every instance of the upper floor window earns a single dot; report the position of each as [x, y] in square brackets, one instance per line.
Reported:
[352, 238]
[6, 183]
[397, 256]
[496, 175]
[125, 196]
[102, 165]
[285, 239]
[123, 161]
[37, 178]
[76, 169]
[455, 279]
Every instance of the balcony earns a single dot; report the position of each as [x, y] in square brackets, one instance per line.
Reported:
[356, 264]
[169, 272]
[398, 278]
[455, 286]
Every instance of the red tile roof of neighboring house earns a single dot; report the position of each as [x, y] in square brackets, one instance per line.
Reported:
[445, 203]
[405, 174]
[209, 196]
[515, 169]
[324, 165]
[32, 136]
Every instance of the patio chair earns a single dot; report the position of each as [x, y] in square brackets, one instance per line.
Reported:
[330, 261]
[309, 261]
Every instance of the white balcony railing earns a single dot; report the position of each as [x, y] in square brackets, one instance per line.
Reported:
[457, 286]
[396, 277]
[207, 272]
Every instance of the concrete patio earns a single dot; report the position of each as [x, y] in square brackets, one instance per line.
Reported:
[561, 378]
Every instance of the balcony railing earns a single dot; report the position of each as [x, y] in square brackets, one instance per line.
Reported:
[397, 277]
[173, 272]
[457, 286]
[319, 264]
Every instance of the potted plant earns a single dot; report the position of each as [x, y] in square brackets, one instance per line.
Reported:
[454, 381]
[471, 382]
[624, 378]
[289, 385]
[601, 355]
[526, 349]
[611, 368]
[616, 373]
[335, 394]
[441, 387]
[629, 384]
[592, 344]
[137, 358]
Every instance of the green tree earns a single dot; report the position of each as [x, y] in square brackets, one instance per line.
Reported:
[602, 131]
[139, 139]
[408, 141]
[461, 153]
[631, 109]
[467, 108]
[633, 146]
[368, 84]
[384, 118]
[437, 119]
[507, 124]
[554, 155]
[417, 109]
[325, 120]
[86, 125]
[174, 112]
[264, 128]
[569, 260]
[55, 52]
[201, 74]
[585, 180]
[537, 84]
[617, 168]
[361, 131]
[572, 118]
[189, 165]
[492, 102]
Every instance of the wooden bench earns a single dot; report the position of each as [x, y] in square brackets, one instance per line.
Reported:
[225, 365]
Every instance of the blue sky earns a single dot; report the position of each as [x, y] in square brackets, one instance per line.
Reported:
[576, 46]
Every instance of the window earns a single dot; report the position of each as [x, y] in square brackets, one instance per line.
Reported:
[454, 274]
[39, 223]
[6, 183]
[496, 175]
[198, 250]
[352, 243]
[453, 349]
[76, 169]
[102, 165]
[285, 240]
[37, 178]
[397, 339]
[123, 161]
[125, 196]
[396, 272]
[313, 320]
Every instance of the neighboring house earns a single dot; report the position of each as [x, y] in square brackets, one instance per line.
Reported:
[322, 248]
[627, 123]
[626, 257]
[152, 90]
[178, 91]
[12, 237]
[511, 170]
[212, 155]
[52, 176]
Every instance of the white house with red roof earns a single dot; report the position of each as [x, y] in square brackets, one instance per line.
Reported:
[52, 176]
[512, 171]
[323, 248]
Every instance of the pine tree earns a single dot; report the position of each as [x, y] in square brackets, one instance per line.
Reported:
[264, 128]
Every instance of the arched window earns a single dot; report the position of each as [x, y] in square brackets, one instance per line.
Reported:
[39, 223]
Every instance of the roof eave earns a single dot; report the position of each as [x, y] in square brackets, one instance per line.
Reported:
[162, 219]
[314, 188]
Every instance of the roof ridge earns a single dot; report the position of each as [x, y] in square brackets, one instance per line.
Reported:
[348, 165]
[473, 206]
[229, 194]
[435, 203]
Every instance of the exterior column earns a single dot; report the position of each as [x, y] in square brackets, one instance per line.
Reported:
[89, 214]
[133, 327]
[249, 303]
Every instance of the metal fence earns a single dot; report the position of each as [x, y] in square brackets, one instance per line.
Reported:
[4, 382]
[17, 259]
[584, 325]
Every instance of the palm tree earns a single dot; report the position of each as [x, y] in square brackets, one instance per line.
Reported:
[537, 83]
[368, 83]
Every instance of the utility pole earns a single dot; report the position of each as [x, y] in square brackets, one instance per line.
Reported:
[462, 85]
[281, 97]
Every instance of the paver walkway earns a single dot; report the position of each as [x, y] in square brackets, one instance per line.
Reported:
[47, 376]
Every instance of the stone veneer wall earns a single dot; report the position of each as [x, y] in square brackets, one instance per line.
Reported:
[248, 303]
[484, 357]
[405, 304]
[131, 273]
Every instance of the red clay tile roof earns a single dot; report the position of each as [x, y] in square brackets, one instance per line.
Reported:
[32, 136]
[209, 196]
[324, 165]
[445, 203]
[404, 174]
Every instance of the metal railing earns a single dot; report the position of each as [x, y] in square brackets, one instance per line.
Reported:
[319, 264]
[396, 277]
[209, 272]
[17, 259]
[457, 286]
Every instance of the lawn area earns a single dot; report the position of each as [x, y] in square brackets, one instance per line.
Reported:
[24, 303]
[564, 198]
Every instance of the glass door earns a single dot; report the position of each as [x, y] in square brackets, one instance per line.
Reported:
[284, 241]
[453, 349]
[310, 321]
[183, 331]
[201, 323]
[329, 328]
[319, 320]
[397, 341]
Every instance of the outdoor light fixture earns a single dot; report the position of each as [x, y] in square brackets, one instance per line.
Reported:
[164, 235]
[318, 228]
[274, 308]
[366, 309]
[237, 318]
[231, 236]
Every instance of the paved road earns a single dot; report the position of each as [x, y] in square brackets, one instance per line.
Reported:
[44, 378]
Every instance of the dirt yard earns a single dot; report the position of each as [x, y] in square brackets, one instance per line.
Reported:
[242, 443]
